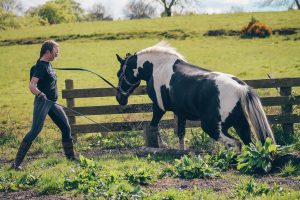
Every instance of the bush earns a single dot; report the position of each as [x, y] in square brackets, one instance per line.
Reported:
[259, 157]
[252, 189]
[190, 167]
[224, 159]
[290, 169]
[139, 176]
[8, 20]
[255, 29]
[200, 141]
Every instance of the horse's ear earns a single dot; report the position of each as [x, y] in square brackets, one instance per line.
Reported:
[120, 59]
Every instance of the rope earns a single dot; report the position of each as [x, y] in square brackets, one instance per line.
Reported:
[87, 70]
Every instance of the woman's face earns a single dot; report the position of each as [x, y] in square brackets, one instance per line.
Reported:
[54, 53]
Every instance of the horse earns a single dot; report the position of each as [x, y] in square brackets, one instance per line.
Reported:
[219, 100]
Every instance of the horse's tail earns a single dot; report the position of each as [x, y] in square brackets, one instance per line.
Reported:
[255, 115]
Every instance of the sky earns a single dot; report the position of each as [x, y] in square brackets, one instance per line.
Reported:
[116, 7]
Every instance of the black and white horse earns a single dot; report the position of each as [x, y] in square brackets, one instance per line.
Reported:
[218, 100]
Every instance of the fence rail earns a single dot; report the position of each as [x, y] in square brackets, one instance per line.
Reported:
[284, 85]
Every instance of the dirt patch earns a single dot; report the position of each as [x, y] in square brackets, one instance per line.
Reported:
[223, 185]
[222, 32]
[216, 184]
[32, 195]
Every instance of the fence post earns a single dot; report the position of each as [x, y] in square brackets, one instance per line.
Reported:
[288, 128]
[70, 104]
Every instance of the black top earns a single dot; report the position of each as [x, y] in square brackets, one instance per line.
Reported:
[47, 79]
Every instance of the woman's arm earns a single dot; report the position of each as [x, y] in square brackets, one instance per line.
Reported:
[33, 88]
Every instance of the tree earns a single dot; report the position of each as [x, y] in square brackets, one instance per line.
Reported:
[169, 4]
[58, 11]
[137, 9]
[8, 20]
[11, 5]
[289, 3]
[98, 12]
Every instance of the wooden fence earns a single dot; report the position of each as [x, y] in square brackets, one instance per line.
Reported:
[286, 101]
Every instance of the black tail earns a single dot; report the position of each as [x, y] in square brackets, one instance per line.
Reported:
[256, 116]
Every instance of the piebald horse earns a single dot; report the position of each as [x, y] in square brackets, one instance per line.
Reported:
[218, 100]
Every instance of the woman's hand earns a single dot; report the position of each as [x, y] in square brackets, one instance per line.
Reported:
[42, 96]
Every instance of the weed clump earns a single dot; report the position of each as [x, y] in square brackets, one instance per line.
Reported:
[253, 189]
[191, 167]
[255, 29]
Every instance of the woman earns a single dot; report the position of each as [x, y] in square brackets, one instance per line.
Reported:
[43, 86]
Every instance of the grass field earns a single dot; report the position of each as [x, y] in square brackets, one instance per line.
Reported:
[245, 58]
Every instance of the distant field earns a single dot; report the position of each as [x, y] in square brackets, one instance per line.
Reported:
[198, 23]
[245, 58]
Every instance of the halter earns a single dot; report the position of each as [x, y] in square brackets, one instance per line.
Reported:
[123, 78]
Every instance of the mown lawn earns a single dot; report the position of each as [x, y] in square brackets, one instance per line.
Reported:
[245, 58]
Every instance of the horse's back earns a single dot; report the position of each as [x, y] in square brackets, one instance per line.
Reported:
[198, 93]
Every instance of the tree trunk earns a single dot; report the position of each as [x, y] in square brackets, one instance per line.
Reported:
[168, 12]
[298, 4]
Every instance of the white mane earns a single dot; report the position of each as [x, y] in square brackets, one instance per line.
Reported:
[162, 47]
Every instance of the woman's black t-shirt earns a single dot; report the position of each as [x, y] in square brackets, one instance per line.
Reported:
[47, 79]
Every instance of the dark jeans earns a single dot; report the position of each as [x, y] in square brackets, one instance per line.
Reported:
[56, 113]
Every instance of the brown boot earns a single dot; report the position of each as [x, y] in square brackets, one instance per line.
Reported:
[23, 149]
[69, 150]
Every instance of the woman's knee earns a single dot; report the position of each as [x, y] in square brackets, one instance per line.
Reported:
[31, 135]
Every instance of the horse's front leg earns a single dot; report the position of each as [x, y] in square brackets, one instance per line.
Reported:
[153, 138]
[181, 121]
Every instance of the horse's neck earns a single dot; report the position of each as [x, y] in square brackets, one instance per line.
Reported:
[161, 63]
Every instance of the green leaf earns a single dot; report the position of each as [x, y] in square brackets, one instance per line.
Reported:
[272, 148]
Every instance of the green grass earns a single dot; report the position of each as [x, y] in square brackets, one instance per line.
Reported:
[198, 23]
[245, 58]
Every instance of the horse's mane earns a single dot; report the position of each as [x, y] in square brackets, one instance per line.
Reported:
[162, 47]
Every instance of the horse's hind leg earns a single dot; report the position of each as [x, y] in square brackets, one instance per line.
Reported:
[219, 133]
[181, 131]
[243, 130]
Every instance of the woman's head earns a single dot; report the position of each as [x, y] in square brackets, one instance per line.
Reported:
[49, 50]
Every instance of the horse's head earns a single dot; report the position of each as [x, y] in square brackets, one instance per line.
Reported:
[127, 78]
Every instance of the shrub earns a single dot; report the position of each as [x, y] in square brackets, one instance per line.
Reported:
[200, 141]
[252, 189]
[289, 169]
[224, 159]
[139, 176]
[255, 29]
[26, 181]
[192, 167]
[258, 157]
[7, 183]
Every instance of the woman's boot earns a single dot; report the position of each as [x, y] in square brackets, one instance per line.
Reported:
[23, 149]
[69, 150]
